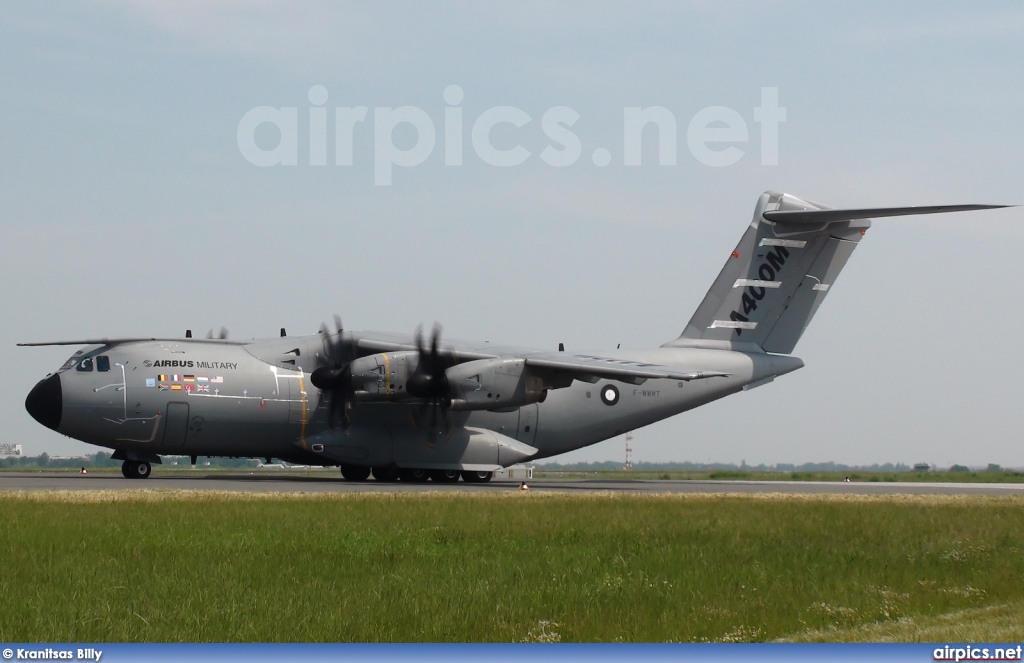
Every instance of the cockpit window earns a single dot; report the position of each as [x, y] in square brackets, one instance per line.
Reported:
[103, 363]
[86, 364]
[69, 363]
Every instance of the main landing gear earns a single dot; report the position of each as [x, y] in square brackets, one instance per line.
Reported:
[444, 476]
[391, 474]
[136, 469]
[355, 473]
[413, 475]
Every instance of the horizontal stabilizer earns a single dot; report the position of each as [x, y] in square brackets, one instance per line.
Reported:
[833, 215]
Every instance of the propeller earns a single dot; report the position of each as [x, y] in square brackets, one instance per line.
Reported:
[429, 381]
[334, 378]
[222, 336]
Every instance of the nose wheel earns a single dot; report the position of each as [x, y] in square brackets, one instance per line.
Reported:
[136, 469]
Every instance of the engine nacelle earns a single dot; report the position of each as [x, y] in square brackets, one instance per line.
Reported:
[483, 384]
[383, 376]
[489, 384]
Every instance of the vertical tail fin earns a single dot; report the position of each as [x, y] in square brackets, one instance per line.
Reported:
[781, 271]
[774, 281]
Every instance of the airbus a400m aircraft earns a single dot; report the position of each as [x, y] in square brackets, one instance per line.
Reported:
[399, 407]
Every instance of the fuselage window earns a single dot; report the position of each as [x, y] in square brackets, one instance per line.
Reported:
[85, 364]
[103, 363]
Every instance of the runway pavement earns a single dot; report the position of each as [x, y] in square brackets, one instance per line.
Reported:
[279, 482]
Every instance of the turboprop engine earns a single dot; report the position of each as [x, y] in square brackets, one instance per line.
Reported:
[482, 384]
[383, 377]
[488, 384]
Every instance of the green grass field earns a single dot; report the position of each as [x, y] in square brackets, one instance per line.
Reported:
[166, 566]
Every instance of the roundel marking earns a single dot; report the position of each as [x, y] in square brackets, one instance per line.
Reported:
[609, 394]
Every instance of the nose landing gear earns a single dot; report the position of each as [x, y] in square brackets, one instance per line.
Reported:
[136, 469]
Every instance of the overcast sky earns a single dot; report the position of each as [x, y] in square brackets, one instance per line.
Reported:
[128, 208]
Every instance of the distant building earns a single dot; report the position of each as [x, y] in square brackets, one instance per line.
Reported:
[10, 450]
[922, 467]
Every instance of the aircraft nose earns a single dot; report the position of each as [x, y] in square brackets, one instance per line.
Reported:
[46, 402]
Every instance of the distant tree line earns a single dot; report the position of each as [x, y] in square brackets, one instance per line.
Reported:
[102, 459]
[743, 467]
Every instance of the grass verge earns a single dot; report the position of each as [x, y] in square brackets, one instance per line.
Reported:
[198, 566]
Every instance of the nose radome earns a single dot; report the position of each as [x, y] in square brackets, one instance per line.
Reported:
[46, 402]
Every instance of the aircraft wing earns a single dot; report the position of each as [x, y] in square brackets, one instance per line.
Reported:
[133, 339]
[591, 368]
[458, 355]
[560, 367]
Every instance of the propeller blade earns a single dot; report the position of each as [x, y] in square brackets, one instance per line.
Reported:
[429, 382]
[435, 337]
[418, 334]
[334, 377]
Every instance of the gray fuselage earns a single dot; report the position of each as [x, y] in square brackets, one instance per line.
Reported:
[218, 398]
